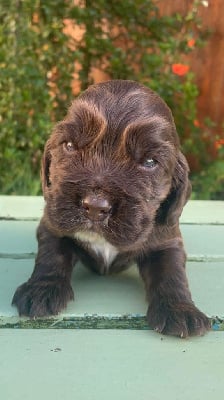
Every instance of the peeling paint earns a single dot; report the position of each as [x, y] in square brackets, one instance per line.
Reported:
[130, 321]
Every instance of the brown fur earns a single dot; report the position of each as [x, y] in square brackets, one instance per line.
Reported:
[103, 187]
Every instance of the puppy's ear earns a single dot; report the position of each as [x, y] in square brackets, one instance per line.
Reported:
[45, 167]
[171, 208]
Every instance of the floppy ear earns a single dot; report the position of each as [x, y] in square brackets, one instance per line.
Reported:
[171, 208]
[45, 167]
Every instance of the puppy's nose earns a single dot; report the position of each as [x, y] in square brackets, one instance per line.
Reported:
[96, 208]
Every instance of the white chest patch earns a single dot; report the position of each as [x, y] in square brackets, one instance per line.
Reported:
[99, 245]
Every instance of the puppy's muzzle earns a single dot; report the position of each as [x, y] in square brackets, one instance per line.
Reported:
[96, 208]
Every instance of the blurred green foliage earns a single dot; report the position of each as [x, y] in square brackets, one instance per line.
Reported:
[125, 39]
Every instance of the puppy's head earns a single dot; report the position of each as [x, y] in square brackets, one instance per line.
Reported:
[114, 167]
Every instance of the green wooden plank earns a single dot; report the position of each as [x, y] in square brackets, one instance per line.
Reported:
[118, 295]
[31, 208]
[111, 364]
[203, 212]
[122, 293]
[21, 207]
[204, 241]
[18, 240]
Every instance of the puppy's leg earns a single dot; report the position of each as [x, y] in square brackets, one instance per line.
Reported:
[48, 290]
[171, 310]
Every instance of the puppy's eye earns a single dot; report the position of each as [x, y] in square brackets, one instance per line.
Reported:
[68, 146]
[150, 163]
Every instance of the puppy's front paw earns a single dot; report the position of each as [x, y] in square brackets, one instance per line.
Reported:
[42, 297]
[178, 320]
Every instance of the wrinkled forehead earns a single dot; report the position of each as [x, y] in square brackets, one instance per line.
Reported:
[112, 117]
[122, 102]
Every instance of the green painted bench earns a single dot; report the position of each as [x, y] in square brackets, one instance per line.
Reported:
[101, 346]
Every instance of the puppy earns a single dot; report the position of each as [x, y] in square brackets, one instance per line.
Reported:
[115, 183]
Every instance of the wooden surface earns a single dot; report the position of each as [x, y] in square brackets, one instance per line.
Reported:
[114, 365]
[101, 346]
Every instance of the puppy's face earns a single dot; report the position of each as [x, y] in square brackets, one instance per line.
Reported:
[113, 166]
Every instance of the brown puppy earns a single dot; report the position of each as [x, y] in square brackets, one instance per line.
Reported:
[115, 183]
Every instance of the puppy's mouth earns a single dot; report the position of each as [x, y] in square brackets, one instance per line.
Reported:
[124, 224]
[122, 236]
[95, 225]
